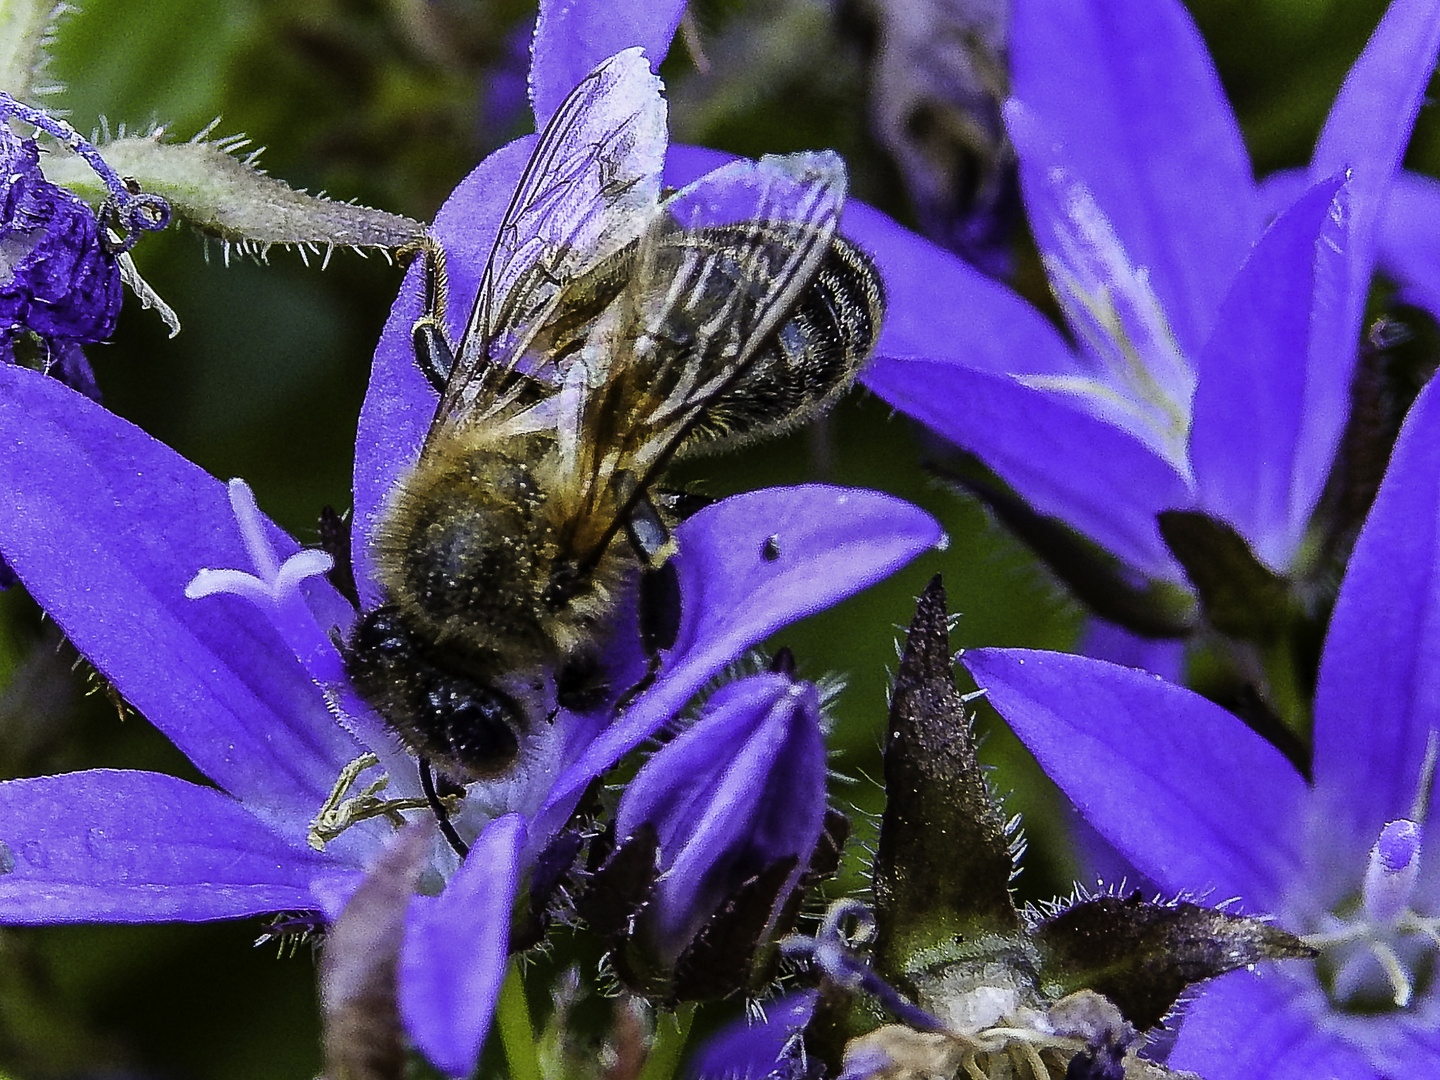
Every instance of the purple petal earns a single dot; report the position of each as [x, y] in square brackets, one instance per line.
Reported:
[831, 542]
[1129, 87]
[401, 402]
[1411, 1046]
[456, 945]
[105, 526]
[1105, 640]
[1108, 299]
[1251, 392]
[1410, 239]
[1378, 695]
[1246, 1025]
[686, 164]
[1366, 132]
[720, 817]
[747, 1050]
[114, 846]
[572, 36]
[936, 305]
[1063, 462]
[1182, 788]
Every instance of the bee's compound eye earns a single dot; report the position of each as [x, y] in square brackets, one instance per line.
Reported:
[467, 726]
[475, 724]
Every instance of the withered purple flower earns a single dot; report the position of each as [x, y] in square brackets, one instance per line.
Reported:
[59, 263]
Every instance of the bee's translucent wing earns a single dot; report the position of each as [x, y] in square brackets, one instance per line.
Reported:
[717, 273]
[590, 189]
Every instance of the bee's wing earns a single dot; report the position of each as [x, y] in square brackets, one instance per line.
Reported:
[590, 188]
[778, 216]
[693, 315]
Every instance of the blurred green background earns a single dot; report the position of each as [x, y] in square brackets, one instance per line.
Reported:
[391, 104]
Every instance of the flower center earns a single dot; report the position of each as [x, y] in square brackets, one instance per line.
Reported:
[1378, 951]
[1142, 381]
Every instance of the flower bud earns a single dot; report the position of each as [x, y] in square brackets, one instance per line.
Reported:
[728, 818]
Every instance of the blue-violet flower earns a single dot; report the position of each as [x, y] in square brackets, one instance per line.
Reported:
[1215, 342]
[1199, 802]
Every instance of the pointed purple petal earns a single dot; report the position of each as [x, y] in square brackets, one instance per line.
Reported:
[105, 526]
[1410, 239]
[1247, 1025]
[1366, 132]
[1063, 462]
[831, 542]
[115, 846]
[1378, 695]
[1130, 89]
[572, 36]
[400, 401]
[1181, 787]
[1246, 416]
[938, 306]
[455, 951]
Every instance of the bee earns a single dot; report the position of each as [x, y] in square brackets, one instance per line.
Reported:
[616, 328]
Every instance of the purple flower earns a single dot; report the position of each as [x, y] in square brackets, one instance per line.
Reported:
[1189, 306]
[767, 1048]
[1200, 803]
[108, 529]
[722, 818]
[223, 633]
[60, 261]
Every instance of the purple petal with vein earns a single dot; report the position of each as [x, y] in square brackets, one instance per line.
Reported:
[109, 845]
[1147, 128]
[1378, 696]
[1246, 424]
[456, 949]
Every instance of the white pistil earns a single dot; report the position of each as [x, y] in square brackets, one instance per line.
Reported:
[1382, 931]
[274, 588]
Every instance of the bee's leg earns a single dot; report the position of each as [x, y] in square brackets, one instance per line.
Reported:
[659, 600]
[447, 830]
[432, 349]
